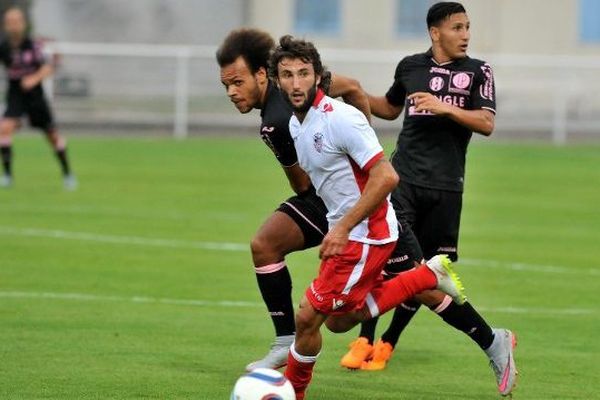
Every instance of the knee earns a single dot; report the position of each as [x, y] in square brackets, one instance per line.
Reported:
[430, 298]
[341, 325]
[335, 326]
[7, 127]
[266, 249]
[304, 323]
[261, 245]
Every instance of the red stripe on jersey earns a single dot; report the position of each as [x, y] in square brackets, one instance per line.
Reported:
[378, 225]
[319, 96]
[372, 161]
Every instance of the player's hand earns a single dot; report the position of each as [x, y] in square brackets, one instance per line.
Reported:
[424, 101]
[29, 82]
[334, 242]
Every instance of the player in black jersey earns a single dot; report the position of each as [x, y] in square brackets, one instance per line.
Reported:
[445, 96]
[299, 222]
[26, 69]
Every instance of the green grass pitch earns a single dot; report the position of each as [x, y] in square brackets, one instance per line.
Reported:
[139, 285]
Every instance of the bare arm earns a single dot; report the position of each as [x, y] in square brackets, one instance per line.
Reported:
[382, 180]
[299, 180]
[350, 90]
[30, 81]
[381, 107]
[480, 121]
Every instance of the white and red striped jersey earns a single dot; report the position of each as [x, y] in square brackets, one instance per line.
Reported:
[336, 147]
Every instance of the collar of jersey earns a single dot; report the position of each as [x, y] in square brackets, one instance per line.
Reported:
[429, 54]
[318, 97]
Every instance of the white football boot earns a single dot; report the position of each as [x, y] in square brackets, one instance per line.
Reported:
[277, 356]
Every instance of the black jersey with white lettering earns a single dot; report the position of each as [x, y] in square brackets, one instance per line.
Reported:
[431, 150]
[275, 126]
[20, 61]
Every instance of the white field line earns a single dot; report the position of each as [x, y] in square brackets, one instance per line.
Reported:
[517, 266]
[81, 297]
[121, 299]
[122, 240]
[228, 246]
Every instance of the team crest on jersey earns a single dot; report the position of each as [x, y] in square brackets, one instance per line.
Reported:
[318, 142]
[461, 82]
[337, 304]
[436, 83]
[27, 57]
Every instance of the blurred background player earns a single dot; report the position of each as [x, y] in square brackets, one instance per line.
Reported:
[446, 96]
[340, 152]
[26, 70]
[299, 222]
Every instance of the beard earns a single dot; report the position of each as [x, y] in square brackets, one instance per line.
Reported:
[304, 107]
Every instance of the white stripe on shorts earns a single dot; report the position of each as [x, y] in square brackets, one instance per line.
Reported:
[358, 270]
[373, 308]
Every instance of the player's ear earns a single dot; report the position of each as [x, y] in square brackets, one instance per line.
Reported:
[318, 81]
[261, 75]
[434, 34]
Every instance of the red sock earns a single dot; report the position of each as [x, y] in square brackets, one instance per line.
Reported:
[403, 287]
[299, 371]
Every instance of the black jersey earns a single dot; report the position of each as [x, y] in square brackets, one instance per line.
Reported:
[431, 150]
[27, 59]
[275, 126]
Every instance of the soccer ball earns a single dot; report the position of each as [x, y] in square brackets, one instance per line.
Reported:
[263, 384]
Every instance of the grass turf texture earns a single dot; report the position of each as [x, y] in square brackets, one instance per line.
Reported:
[529, 204]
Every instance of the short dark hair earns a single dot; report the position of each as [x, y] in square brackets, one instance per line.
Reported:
[295, 48]
[440, 11]
[253, 45]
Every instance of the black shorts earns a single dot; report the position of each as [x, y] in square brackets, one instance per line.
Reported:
[407, 251]
[32, 103]
[310, 214]
[434, 216]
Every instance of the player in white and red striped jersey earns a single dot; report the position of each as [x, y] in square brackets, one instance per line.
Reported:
[340, 152]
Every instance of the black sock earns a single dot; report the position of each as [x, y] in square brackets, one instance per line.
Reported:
[6, 153]
[367, 329]
[402, 316]
[276, 290]
[61, 154]
[466, 319]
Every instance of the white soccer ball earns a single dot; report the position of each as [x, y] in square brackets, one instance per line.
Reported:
[263, 384]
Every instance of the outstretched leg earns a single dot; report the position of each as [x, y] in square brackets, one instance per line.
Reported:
[436, 273]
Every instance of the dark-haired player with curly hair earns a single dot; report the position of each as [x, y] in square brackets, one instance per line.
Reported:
[300, 221]
[26, 69]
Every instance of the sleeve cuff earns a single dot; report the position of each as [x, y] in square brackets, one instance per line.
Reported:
[372, 161]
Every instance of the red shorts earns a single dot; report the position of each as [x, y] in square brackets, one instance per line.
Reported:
[345, 280]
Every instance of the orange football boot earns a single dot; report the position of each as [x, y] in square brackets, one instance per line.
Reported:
[382, 352]
[360, 351]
